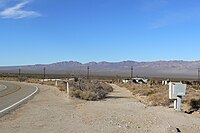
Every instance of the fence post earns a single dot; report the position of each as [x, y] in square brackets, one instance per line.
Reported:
[68, 89]
[56, 83]
[175, 104]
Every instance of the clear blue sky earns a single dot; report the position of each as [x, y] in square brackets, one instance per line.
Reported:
[47, 31]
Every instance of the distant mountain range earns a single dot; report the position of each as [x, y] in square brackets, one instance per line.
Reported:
[179, 69]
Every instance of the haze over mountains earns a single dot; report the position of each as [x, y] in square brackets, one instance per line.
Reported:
[179, 69]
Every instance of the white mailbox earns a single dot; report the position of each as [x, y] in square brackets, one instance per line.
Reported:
[176, 89]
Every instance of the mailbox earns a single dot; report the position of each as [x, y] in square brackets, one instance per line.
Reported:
[176, 90]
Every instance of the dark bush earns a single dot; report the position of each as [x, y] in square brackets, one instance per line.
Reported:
[89, 90]
[195, 104]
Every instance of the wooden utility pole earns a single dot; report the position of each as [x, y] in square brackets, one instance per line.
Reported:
[19, 76]
[44, 73]
[198, 76]
[88, 72]
[19, 72]
[131, 72]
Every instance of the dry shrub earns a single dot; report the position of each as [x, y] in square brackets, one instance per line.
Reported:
[195, 103]
[196, 87]
[159, 99]
[158, 95]
[9, 79]
[85, 95]
[75, 92]
[51, 83]
[154, 95]
[89, 90]
[62, 85]
[191, 102]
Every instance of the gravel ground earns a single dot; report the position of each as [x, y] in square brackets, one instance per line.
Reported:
[53, 112]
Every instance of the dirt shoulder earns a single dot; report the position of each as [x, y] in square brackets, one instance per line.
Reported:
[52, 111]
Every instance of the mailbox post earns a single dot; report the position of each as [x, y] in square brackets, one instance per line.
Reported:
[176, 91]
[179, 98]
[67, 88]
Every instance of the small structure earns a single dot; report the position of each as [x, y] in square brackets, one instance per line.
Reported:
[126, 80]
[140, 80]
[73, 79]
[136, 80]
[45, 80]
[166, 82]
[176, 91]
[53, 80]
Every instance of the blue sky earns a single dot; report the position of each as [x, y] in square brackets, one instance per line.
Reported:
[47, 31]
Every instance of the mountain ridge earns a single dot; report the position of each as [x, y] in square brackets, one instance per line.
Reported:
[161, 68]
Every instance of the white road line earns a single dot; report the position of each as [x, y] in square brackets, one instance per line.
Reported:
[20, 101]
[4, 87]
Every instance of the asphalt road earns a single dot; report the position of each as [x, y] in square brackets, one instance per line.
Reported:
[13, 94]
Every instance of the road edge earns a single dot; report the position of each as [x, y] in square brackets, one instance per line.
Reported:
[17, 104]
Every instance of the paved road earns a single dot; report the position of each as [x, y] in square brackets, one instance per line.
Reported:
[2, 87]
[13, 94]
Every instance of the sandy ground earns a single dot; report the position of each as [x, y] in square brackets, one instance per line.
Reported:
[53, 112]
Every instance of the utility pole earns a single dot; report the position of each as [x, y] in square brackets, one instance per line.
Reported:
[19, 72]
[88, 72]
[198, 76]
[131, 72]
[44, 73]
[19, 76]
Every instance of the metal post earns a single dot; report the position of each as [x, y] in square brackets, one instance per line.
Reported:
[179, 103]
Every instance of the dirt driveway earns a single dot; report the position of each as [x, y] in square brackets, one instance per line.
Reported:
[53, 112]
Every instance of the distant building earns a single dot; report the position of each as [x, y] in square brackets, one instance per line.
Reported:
[136, 80]
[50, 80]
[166, 82]
[140, 80]
[126, 80]
[74, 79]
